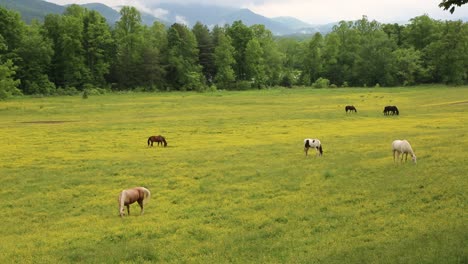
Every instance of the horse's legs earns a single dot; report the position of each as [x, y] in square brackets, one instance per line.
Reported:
[397, 155]
[128, 209]
[306, 149]
[140, 202]
[406, 157]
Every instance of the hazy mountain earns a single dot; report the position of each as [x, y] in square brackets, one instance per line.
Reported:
[292, 22]
[216, 15]
[109, 13]
[170, 13]
[32, 9]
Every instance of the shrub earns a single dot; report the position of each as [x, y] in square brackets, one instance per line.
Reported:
[243, 85]
[321, 83]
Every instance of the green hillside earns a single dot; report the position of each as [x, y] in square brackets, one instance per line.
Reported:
[32, 9]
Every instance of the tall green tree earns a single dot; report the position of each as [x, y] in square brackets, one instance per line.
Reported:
[240, 35]
[205, 50]
[375, 64]
[448, 55]
[312, 62]
[184, 73]
[342, 52]
[128, 36]
[8, 83]
[224, 60]
[97, 44]
[151, 67]
[35, 54]
[75, 72]
[255, 63]
[409, 69]
[271, 55]
[12, 30]
[68, 66]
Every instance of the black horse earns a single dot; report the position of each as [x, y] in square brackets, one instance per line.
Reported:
[391, 109]
[350, 108]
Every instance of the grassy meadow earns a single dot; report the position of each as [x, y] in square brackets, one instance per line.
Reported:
[233, 185]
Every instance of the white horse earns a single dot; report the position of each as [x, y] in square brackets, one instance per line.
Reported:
[402, 147]
[313, 143]
[129, 196]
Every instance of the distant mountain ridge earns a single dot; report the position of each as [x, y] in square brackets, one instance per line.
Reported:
[170, 13]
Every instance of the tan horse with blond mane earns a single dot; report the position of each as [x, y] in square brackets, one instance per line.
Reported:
[129, 196]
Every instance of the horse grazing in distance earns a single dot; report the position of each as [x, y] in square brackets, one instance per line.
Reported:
[160, 139]
[402, 147]
[129, 196]
[350, 108]
[391, 109]
[313, 143]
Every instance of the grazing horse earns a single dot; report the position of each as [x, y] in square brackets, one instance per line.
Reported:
[350, 108]
[402, 147]
[313, 143]
[160, 139]
[129, 196]
[391, 108]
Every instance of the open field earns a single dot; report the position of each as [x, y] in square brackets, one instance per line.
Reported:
[233, 185]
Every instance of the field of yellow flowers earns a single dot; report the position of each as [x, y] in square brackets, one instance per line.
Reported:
[233, 185]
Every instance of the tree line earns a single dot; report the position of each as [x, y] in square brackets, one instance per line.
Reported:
[79, 51]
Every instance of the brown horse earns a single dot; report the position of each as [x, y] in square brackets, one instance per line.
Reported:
[350, 108]
[160, 139]
[129, 196]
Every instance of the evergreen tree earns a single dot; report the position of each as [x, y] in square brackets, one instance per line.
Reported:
[205, 50]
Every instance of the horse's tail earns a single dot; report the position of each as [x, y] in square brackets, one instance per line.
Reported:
[149, 141]
[121, 202]
[147, 194]
[320, 149]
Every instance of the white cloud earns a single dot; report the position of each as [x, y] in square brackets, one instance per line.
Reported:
[160, 13]
[181, 20]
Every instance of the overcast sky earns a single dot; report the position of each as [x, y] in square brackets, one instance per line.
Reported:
[313, 11]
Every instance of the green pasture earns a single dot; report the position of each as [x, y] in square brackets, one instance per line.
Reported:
[233, 185]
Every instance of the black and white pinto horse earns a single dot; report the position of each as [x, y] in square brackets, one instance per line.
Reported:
[313, 143]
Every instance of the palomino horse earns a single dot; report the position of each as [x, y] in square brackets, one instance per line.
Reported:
[129, 196]
[402, 147]
[350, 108]
[160, 139]
[313, 143]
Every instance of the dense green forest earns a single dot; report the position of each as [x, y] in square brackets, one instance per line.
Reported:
[79, 51]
